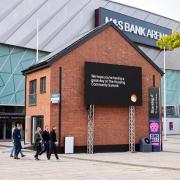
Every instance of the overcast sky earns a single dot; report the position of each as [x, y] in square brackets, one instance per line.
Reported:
[168, 8]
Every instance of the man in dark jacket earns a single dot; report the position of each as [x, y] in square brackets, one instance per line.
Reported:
[37, 140]
[13, 148]
[17, 140]
[53, 141]
[45, 140]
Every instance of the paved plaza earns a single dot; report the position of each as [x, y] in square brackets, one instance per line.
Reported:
[100, 166]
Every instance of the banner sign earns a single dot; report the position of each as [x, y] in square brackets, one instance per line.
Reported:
[153, 103]
[137, 30]
[154, 118]
[113, 84]
[155, 135]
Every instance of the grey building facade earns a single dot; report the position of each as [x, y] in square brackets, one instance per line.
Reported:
[60, 22]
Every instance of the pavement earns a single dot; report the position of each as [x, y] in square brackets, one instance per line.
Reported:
[101, 166]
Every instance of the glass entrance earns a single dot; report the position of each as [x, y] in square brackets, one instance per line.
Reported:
[8, 129]
[6, 126]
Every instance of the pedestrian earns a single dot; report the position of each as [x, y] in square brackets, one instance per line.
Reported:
[17, 140]
[37, 139]
[45, 141]
[13, 147]
[53, 142]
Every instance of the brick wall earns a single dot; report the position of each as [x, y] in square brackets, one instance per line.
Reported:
[111, 122]
[42, 107]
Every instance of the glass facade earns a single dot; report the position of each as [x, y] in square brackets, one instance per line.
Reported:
[172, 88]
[172, 111]
[12, 86]
[172, 93]
[12, 83]
[9, 116]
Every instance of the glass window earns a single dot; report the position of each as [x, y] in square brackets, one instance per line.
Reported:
[43, 85]
[32, 92]
[172, 111]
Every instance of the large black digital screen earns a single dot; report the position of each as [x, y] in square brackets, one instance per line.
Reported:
[113, 84]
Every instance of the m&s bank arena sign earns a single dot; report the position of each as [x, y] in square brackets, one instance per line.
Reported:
[137, 30]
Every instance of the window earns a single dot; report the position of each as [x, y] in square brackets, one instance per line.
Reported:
[43, 85]
[32, 92]
[36, 121]
[172, 111]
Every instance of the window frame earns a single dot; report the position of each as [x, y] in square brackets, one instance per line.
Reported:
[33, 92]
[43, 85]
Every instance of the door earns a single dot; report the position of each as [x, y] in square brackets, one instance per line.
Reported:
[36, 121]
[1, 129]
[8, 129]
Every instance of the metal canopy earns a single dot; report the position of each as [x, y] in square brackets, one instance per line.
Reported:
[65, 21]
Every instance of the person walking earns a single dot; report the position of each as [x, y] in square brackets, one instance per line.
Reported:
[53, 141]
[37, 140]
[13, 147]
[45, 140]
[17, 140]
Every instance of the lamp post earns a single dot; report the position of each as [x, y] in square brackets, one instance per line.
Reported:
[37, 40]
[171, 42]
[164, 78]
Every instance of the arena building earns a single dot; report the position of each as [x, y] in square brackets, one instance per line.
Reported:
[59, 23]
[104, 69]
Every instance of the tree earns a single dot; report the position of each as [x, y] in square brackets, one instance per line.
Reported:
[169, 41]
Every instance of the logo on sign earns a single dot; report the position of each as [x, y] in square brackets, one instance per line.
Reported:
[154, 129]
[135, 29]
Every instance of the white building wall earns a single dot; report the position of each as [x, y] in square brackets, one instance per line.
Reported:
[176, 126]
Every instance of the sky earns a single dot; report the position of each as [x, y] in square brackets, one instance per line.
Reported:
[167, 8]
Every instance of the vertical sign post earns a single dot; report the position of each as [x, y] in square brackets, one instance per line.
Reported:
[154, 119]
[37, 40]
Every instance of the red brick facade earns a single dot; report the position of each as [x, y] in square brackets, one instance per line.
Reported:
[111, 122]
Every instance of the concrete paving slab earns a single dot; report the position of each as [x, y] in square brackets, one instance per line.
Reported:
[101, 166]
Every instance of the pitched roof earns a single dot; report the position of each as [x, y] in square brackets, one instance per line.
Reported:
[51, 58]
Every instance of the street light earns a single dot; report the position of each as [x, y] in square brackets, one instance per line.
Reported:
[164, 78]
[171, 42]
